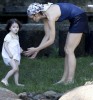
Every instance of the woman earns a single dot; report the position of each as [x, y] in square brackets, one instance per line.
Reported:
[50, 13]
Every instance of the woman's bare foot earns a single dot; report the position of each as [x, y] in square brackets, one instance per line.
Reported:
[59, 82]
[69, 82]
[91, 64]
[4, 82]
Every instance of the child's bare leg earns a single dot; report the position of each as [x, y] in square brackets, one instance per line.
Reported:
[5, 82]
[16, 78]
[16, 75]
[10, 73]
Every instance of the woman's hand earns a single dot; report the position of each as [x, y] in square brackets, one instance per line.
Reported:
[33, 55]
[30, 51]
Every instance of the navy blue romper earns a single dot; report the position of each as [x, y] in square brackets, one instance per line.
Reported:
[76, 16]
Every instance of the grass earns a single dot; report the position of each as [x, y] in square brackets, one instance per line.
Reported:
[39, 75]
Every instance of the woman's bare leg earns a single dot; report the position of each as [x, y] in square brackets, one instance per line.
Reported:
[65, 74]
[72, 41]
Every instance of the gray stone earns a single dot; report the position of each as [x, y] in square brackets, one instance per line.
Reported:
[39, 97]
[6, 94]
[49, 93]
[52, 95]
[23, 96]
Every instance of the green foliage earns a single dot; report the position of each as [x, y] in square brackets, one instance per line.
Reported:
[39, 75]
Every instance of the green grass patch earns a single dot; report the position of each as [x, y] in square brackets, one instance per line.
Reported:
[39, 75]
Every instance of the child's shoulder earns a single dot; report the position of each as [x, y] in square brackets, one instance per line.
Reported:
[8, 36]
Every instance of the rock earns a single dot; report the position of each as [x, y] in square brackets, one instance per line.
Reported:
[48, 95]
[39, 97]
[80, 93]
[6, 94]
[23, 96]
[52, 95]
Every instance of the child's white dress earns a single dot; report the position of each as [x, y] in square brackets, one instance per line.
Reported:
[14, 48]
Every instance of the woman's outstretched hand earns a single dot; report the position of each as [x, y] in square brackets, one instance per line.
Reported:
[33, 55]
[31, 52]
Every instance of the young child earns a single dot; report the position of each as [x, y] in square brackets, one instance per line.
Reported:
[11, 51]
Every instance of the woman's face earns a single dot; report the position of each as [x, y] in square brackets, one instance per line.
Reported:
[36, 17]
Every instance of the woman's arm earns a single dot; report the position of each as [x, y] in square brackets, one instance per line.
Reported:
[49, 28]
[47, 32]
[45, 38]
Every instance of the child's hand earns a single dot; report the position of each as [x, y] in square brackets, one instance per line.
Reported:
[11, 56]
[21, 50]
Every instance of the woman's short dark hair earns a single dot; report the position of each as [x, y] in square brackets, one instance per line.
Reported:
[10, 22]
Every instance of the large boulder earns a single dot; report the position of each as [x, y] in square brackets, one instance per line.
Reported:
[80, 93]
[6, 94]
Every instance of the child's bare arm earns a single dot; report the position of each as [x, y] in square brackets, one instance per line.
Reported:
[7, 49]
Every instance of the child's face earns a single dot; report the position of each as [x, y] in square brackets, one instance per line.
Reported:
[14, 28]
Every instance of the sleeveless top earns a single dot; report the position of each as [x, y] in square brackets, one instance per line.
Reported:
[69, 11]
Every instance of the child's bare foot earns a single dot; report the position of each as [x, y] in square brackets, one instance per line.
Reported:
[20, 84]
[4, 82]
